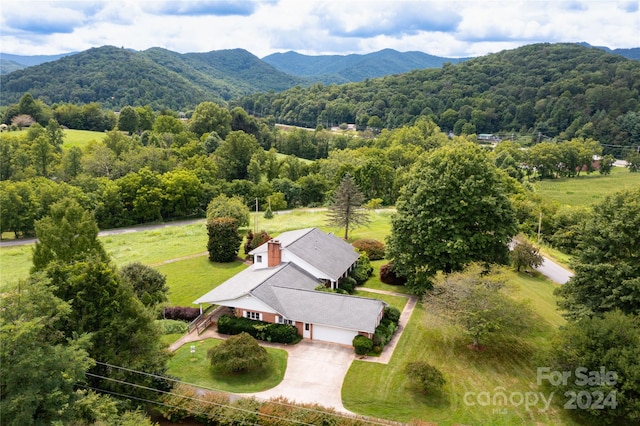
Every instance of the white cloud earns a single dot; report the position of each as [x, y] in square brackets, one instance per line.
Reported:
[445, 28]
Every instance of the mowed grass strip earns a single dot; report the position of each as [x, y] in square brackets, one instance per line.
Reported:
[194, 368]
[587, 189]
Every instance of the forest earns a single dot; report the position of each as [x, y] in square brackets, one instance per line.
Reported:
[545, 90]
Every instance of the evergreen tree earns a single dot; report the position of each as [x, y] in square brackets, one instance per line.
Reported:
[224, 239]
[345, 210]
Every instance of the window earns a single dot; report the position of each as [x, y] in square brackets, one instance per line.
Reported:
[258, 258]
[252, 315]
[282, 320]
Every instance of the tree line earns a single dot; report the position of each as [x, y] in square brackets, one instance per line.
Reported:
[157, 166]
[560, 91]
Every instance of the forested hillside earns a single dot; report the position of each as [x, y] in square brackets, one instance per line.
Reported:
[117, 77]
[549, 90]
[339, 69]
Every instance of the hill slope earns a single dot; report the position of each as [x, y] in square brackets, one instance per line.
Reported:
[562, 90]
[116, 77]
[352, 68]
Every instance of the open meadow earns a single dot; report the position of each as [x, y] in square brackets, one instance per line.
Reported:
[587, 189]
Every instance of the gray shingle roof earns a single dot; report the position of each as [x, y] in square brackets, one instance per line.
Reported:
[326, 252]
[289, 290]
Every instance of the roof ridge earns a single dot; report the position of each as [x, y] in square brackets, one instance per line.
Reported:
[308, 230]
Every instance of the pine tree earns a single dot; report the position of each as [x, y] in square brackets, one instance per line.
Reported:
[345, 209]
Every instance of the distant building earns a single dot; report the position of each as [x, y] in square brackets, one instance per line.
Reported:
[488, 137]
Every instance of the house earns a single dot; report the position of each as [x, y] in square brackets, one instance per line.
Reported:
[280, 287]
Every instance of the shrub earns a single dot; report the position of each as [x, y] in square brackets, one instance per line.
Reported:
[172, 326]
[362, 345]
[363, 269]
[388, 275]
[255, 240]
[392, 314]
[277, 333]
[348, 284]
[238, 354]
[373, 248]
[184, 313]
[424, 377]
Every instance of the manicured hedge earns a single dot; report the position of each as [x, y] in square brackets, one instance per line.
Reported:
[183, 313]
[277, 333]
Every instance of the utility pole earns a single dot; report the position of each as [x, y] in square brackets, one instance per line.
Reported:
[255, 220]
[539, 226]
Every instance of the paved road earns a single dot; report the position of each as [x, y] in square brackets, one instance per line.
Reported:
[107, 232]
[554, 272]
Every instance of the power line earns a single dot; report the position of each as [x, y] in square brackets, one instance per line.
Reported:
[193, 399]
[370, 421]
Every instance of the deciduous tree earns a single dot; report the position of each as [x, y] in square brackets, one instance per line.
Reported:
[605, 352]
[452, 211]
[525, 255]
[69, 233]
[607, 264]
[474, 300]
[223, 206]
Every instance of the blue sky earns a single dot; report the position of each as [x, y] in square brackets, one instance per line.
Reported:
[439, 27]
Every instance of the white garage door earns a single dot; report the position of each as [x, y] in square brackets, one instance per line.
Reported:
[331, 334]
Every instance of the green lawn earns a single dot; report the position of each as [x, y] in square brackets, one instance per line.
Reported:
[202, 277]
[177, 252]
[194, 368]
[587, 189]
[507, 365]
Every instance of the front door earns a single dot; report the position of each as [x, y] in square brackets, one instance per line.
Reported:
[306, 331]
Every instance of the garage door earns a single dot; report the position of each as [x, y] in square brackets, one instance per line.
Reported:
[331, 334]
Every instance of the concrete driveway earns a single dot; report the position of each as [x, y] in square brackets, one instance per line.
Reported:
[315, 372]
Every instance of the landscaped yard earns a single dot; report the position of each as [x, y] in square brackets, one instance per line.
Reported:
[507, 365]
[194, 368]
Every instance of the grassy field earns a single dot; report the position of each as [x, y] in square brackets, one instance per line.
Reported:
[155, 247]
[586, 189]
[73, 137]
[194, 368]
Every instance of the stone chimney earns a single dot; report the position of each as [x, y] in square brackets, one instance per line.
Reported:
[273, 253]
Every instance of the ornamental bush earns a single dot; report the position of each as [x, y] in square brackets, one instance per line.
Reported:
[388, 275]
[183, 313]
[277, 333]
[392, 314]
[425, 377]
[373, 248]
[363, 269]
[362, 345]
[238, 354]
